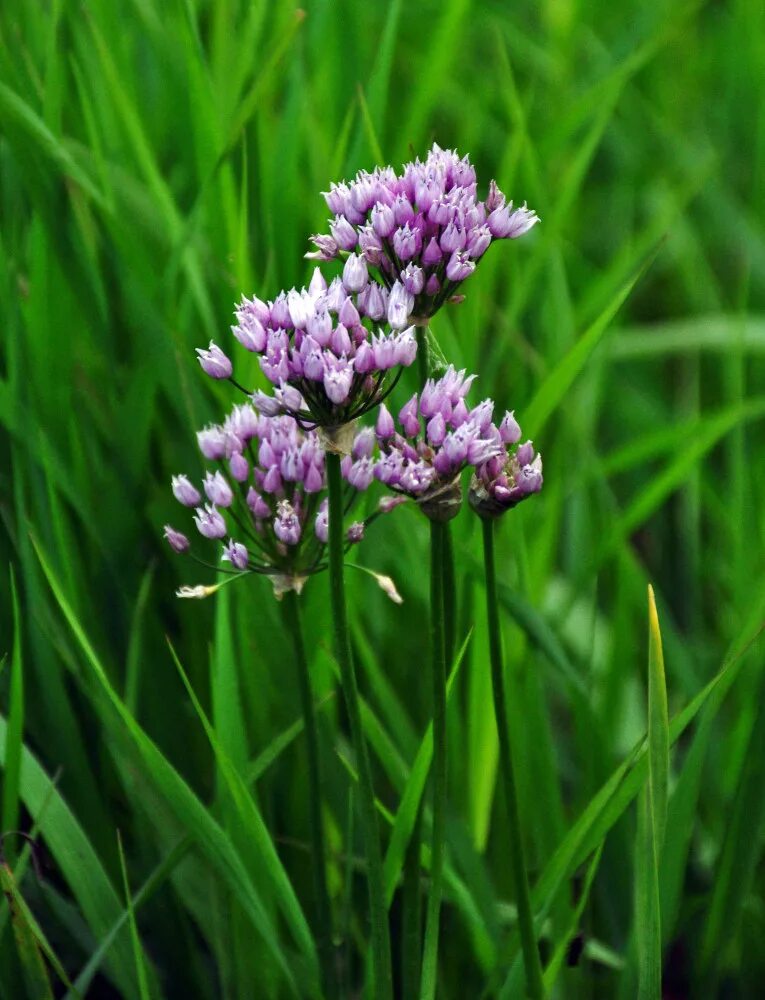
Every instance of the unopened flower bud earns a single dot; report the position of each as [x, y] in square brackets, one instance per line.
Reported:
[214, 362]
[239, 467]
[509, 429]
[400, 305]
[177, 541]
[217, 489]
[384, 428]
[185, 492]
[383, 220]
[355, 273]
[343, 233]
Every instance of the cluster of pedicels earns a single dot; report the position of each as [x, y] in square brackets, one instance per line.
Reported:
[263, 501]
[423, 229]
[334, 351]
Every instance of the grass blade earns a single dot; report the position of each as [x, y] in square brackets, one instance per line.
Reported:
[557, 382]
[261, 839]
[652, 819]
[27, 938]
[190, 811]
[13, 743]
[553, 969]
[411, 798]
[658, 729]
[140, 962]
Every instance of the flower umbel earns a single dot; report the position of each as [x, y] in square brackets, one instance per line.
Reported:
[267, 510]
[424, 229]
[500, 483]
[439, 438]
[320, 348]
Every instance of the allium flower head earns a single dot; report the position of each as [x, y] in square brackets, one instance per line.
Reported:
[265, 505]
[319, 348]
[439, 437]
[500, 483]
[423, 229]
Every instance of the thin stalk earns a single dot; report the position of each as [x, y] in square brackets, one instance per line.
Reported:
[291, 612]
[450, 598]
[531, 962]
[378, 910]
[422, 354]
[411, 920]
[430, 953]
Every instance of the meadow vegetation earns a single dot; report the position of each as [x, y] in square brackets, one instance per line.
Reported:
[157, 160]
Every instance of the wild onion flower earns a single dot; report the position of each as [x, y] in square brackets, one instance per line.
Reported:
[500, 483]
[264, 502]
[424, 230]
[439, 437]
[317, 346]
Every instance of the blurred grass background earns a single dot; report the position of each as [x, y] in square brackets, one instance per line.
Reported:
[156, 160]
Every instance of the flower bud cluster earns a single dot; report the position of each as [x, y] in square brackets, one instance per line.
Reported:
[267, 506]
[317, 348]
[424, 229]
[500, 483]
[439, 436]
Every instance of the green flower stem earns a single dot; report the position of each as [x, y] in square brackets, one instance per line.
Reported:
[531, 962]
[430, 953]
[450, 598]
[381, 954]
[411, 921]
[291, 612]
[422, 354]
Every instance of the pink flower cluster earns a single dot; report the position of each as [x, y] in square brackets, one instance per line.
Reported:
[267, 503]
[327, 366]
[424, 229]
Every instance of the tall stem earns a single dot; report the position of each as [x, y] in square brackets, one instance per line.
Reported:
[378, 909]
[411, 921]
[531, 962]
[291, 611]
[450, 598]
[430, 953]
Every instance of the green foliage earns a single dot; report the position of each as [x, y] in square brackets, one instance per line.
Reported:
[157, 160]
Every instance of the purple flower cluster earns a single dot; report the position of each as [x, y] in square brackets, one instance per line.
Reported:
[334, 351]
[423, 229]
[270, 497]
[327, 366]
[439, 437]
[500, 483]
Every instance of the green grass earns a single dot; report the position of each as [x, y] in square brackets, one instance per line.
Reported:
[158, 159]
